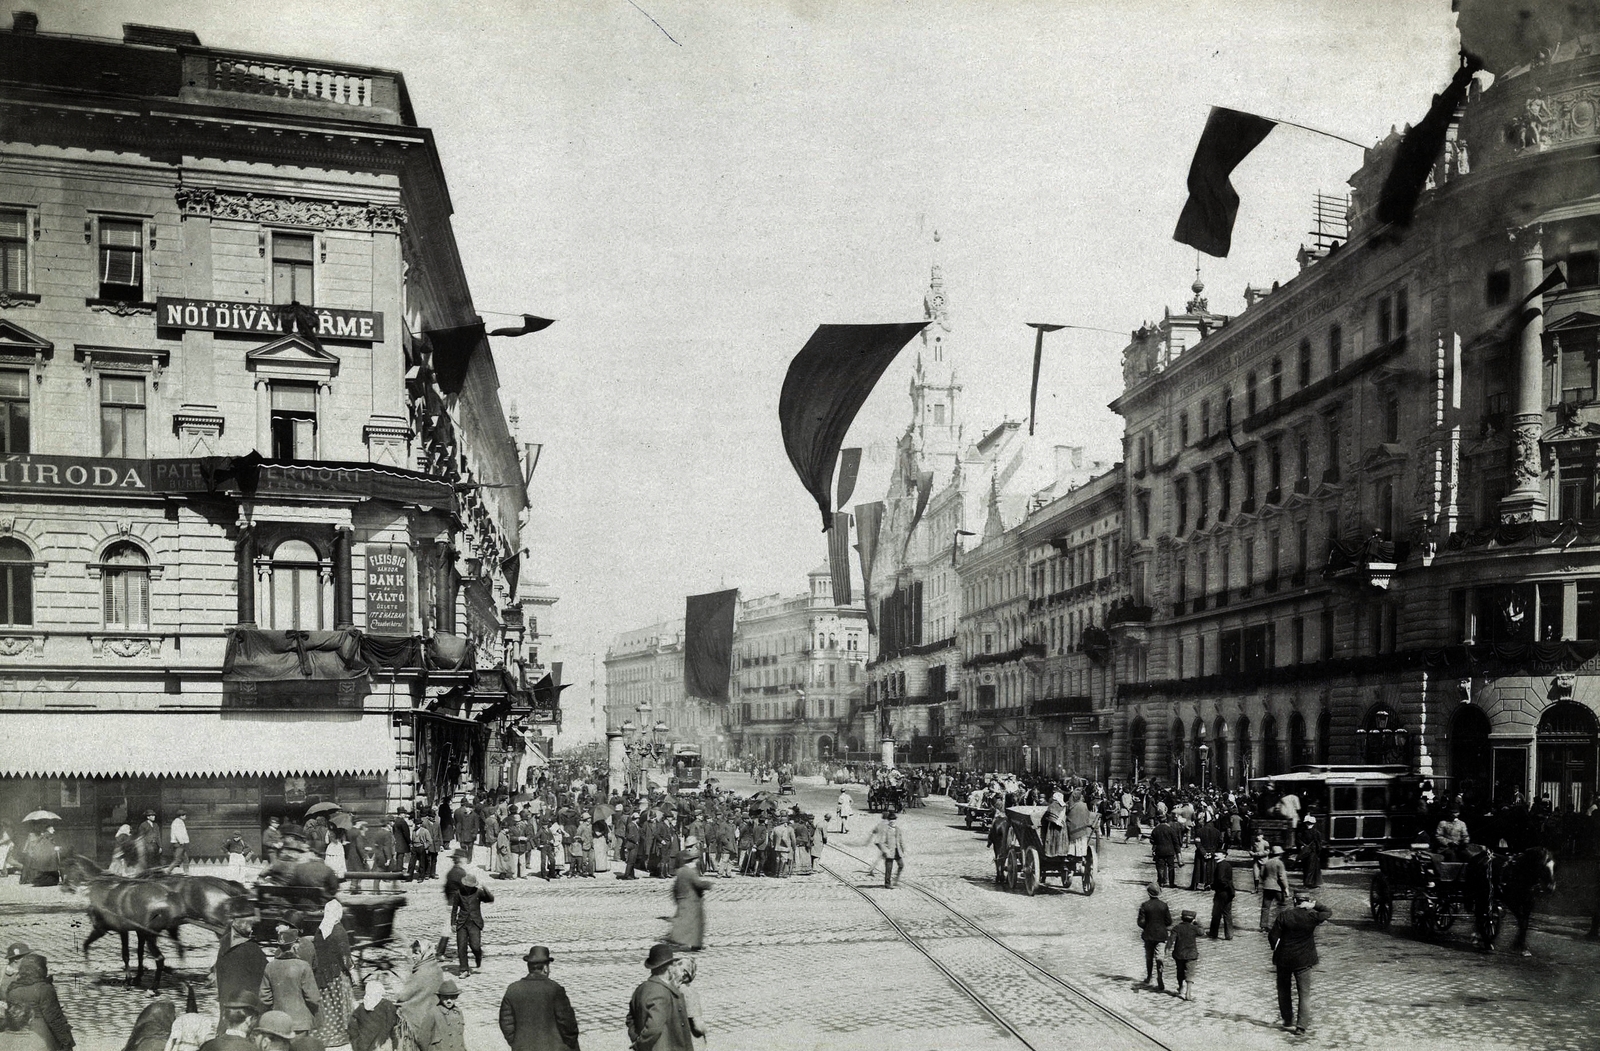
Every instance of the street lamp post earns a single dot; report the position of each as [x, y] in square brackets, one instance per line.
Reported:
[1094, 750]
[1205, 750]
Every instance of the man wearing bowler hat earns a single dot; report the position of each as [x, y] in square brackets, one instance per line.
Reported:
[535, 1014]
[658, 1018]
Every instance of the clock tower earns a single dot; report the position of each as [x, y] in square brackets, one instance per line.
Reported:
[935, 430]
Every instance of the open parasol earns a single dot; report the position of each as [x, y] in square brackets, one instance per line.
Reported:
[322, 808]
[342, 821]
[41, 815]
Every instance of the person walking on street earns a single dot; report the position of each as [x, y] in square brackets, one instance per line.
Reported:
[178, 834]
[466, 918]
[241, 964]
[289, 986]
[1184, 947]
[444, 1028]
[1260, 851]
[891, 848]
[1294, 953]
[1274, 887]
[375, 1023]
[846, 810]
[1311, 845]
[535, 1013]
[689, 892]
[658, 1018]
[1208, 840]
[1222, 896]
[1164, 847]
[1155, 921]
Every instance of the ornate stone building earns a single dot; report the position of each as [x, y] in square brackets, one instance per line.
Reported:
[644, 687]
[260, 527]
[1364, 506]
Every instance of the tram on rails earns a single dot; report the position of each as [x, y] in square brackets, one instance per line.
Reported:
[1362, 809]
[686, 774]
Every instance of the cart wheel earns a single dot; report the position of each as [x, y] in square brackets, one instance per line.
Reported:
[1492, 923]
[1430, 915]
[1013, 869]
[1088, 879]
[1032, 872]
[1380, 902]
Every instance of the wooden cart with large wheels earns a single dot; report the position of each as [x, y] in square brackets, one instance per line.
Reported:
[1021, 854]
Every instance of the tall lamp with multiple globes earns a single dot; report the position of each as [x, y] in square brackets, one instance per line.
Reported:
[643, 744]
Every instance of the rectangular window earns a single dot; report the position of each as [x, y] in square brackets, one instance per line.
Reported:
[1335, 347]
[1180, 497]
[1331, 474]
[1302, 548]
[1589, 610]
[1304, 363]
[1402, 313]
[1302, 482]
[1383, 507]
[1577, 367]
[1550, 610]
[1583, 269]
[1205, 418]
[1257, 644]
[1577, 495]
[1250, 394]
[1385, 320]
[122, 416]
[1230, 652]
[1224, 572]
[1327, 635]
[1249, 568]
[1274, 470]
[938, 415]
[294, 421]
[1179, 660]
[1247, 467]
[1375, 630]
[1142, 510]
[1202, 498]
[292, 256]
[122, 259]
[1224, 489]
[1183, 429]
[14, 411]
[16, 584]
[13, 251]
[1298, 629]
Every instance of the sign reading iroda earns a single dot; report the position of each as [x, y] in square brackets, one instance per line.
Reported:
[218, 315]
[92, 474]
[388, 589]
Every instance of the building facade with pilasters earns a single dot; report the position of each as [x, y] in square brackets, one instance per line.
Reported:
[1364, 507]
[260, 530]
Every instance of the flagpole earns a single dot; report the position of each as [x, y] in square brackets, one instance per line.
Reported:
[1315, 131]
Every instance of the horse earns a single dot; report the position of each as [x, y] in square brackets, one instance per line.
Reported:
[142, 907]
[1519, 880]
[209, 901]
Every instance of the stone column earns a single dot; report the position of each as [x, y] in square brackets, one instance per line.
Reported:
[246, 549]
[343, 582]
[1526, 502]
[617, 759]
[886, 751]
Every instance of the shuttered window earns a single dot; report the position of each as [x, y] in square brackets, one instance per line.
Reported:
[121, 259]
[125, 580]
[13, 251]
[122, 416]
[16, 583]
[15, 414]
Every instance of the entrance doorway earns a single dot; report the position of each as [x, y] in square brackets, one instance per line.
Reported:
[1567, 740]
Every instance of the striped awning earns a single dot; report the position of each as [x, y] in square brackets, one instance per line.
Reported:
[90, 743]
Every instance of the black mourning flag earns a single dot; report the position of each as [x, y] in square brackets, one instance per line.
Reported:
[530, 323]
[869, 517]
[708, 644]
[1420, 148]
[1207, 219]
[825, 387]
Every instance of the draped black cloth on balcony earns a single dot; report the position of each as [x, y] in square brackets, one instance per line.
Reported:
[442, 742]
[708, 644]
[266, 655]
[825, 387]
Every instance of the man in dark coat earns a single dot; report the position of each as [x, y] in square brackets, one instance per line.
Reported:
[466, 828]
[1164, 845]
[240, 967]
[1222, 896]
[658, 1018]
[33, 989]
[535, 1014]
[1208, 841]
[400, 829]
[1294, 953]
[632, 836]
[466, 916]
[1155, 921]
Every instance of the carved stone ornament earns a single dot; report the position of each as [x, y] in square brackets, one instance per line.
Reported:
[120, 647]
[1525, 455]
[121, 308]
[291, 211]
[8, 300]
[15, 645]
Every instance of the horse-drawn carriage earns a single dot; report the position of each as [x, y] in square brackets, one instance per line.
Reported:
[368, 916]
[883, 796]
[1485, 886]
[786, 783]
[977, 817]
[1025, 854]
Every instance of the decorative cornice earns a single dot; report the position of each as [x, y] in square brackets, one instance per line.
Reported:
[290, 211]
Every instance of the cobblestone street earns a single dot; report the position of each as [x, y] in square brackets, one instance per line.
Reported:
[809, 963]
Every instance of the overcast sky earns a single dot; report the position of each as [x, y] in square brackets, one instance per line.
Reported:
[691, 210]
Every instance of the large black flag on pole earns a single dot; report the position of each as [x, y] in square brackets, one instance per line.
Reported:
[869, 517]
[839, 558]
[825, 387]
[1420, 147]
[924, 490]
[849, 467]
[708, 644]
[1038, 355]
[1207, 219]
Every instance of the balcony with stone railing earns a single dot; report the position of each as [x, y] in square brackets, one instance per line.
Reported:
[290, 85]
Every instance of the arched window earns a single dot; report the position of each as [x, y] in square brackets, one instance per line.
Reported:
[294, 588]
[1241, 746]
[125, 587]
[1180, 774]
[16, 583]
[1324, 735]
[1298, 752]
[1136, 748]
[1271, 757]
[1221, 757]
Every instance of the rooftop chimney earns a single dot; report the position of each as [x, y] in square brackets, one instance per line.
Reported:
[24, 22]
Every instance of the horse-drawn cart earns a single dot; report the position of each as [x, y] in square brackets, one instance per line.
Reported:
[883, 797]
[976, 817]
[1023, 857]
[1440, 891]
[368, 916]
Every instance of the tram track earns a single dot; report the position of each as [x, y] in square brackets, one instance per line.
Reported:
[1076, 992]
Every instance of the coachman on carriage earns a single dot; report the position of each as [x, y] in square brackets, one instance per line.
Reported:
[1029, 847]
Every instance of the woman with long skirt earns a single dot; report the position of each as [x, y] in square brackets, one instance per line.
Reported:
[334, 972]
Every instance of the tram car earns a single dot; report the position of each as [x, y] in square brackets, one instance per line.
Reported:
[1023, 862]
[688, 770]
[1360, 809]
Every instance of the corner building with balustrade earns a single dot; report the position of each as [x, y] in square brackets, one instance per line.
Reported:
[1362, 512]
[259, 499]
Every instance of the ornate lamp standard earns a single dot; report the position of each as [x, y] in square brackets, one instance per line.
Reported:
[1205, 750]
[1094, 751]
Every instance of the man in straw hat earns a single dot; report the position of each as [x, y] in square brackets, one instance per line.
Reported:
[658, 1018]
[535, 1014]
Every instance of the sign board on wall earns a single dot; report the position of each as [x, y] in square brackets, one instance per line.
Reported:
[388, 589]
[218, 315]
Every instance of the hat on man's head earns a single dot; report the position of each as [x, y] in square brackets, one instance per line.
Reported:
[1154, 890]
[246, 1000]
[1188, 914]
[1311, 819]
[17, 950]
[469, 880]
[537, 954]
[288, 934]
[891, 815]
[1277, 848]
[448, 987]
[292, 831]
[278, 1023]
[149, 813]
[1301, 896]
[661, 954]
